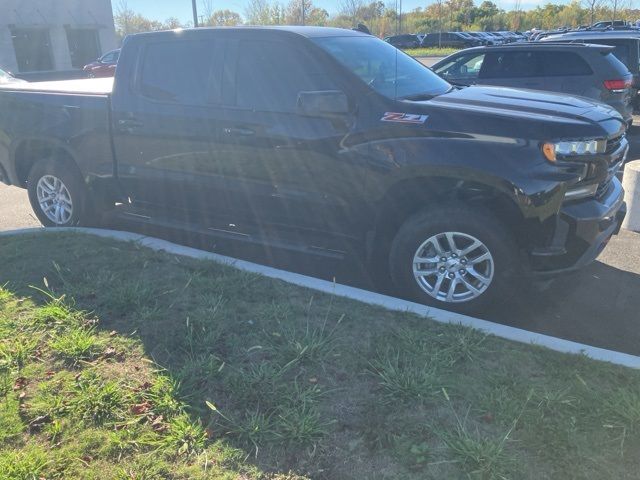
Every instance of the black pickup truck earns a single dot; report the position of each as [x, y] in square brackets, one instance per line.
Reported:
[330, 142]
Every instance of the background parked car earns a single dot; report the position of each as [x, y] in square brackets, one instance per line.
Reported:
[450, 40]
[105, 66]
[577, 69]
[404, 41]
[626, 48]
[610, 23]
[485, 39]
[6, 77]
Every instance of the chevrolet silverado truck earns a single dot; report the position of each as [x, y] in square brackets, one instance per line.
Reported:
[329, 142]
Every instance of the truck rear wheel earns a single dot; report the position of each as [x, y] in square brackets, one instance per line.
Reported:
[57, 193]
[455, 257]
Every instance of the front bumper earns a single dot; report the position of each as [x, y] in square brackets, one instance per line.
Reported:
[582, 231]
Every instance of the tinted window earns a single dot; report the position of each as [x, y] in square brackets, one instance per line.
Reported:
[390, 72]
[179, 72]
[619, 67]
[511, 65]
[271, 75]
[622, 51]
[110, 57]
[107, 58]
[564, 64]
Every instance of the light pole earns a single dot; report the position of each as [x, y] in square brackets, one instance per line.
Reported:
[195, 13]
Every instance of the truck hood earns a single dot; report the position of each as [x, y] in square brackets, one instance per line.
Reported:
[530, 104]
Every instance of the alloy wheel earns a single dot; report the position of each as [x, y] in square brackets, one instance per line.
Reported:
[54, 199]
[453, 267]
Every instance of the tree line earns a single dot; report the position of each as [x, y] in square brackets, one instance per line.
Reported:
[384, 19]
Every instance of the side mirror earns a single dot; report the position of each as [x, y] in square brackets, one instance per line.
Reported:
[323, 103]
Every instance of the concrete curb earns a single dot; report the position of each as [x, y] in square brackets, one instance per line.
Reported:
[391, 303]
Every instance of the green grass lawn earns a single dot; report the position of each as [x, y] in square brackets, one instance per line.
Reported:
[117, 362]
[430, 52]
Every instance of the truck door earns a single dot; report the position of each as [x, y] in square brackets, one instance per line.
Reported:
[162, 134]
[283, 171]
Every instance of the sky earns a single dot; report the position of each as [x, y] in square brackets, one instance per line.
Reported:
[163, 9]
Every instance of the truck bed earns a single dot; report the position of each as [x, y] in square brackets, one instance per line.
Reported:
[85, 86]
[68, 118]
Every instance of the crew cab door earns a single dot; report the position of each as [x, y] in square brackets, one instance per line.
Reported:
[162, 134]
[284, 172]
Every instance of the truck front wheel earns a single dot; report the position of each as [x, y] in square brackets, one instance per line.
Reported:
[455, 257]
[57, 193]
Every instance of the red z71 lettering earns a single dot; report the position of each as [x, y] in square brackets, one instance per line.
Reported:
[399, 117]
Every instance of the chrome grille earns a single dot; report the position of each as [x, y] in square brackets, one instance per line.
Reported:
[603, 188]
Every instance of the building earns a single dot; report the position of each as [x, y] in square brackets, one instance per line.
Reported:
[54, 35]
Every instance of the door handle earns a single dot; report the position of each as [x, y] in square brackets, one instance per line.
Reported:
[128, 124]
[238, 131]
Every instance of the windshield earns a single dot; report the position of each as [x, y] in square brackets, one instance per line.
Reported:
[383, 67]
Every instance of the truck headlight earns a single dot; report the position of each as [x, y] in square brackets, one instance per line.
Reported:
[571, 148]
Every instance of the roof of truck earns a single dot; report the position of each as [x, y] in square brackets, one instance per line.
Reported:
[309, 32]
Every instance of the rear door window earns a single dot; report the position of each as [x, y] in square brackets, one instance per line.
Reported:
[181, 72]
[513, 64]
[563, 64]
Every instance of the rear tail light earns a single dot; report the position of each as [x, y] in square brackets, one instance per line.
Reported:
[617, 85]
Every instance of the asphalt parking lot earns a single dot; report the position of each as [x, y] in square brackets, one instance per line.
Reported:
[598, 306]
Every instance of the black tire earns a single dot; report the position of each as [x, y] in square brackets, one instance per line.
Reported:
[471, 221]
[67, 172]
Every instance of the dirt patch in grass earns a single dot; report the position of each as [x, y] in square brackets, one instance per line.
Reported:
[118, 362]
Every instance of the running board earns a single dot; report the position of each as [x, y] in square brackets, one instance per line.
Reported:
[224, 234]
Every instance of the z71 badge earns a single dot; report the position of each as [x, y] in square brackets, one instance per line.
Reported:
[403, 117]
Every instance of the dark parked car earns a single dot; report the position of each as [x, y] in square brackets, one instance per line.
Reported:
[577, 69]
[404, 41]
[345, 146]
[484, 39]
[450, 40]
[105, 66]
[626, 48]
[610, 23]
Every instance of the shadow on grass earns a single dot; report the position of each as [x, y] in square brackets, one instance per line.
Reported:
[259, 373]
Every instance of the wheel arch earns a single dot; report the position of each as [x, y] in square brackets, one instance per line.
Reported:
[29, 151]
[409, 196]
